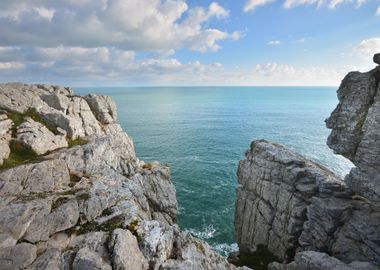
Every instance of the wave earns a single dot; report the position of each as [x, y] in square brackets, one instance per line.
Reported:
[225, 249]
[208, 232]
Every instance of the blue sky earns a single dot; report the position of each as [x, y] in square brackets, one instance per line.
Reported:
[179, 42]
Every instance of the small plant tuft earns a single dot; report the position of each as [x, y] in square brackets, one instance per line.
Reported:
[83, 197]
[108, 226]
[77, 141]
[19, 118]
[19, 155]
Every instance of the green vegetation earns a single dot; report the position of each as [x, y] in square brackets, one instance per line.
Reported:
[132, 227]
[77, 141]
[200, 247]
[83, 197]
[19, 155]
[19, 118]
[108, 226]
[107, 212]
[258, 260]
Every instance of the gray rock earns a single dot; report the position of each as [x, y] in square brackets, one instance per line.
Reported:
[47, 223]
[7, 241]
[16, 218]
[86, 259]
[93, 241]
[87, 188]
[5, 137]
[354, 128]
[192, 254]
[376, 58]
[37, 137]
[312, 260]
[297, 208]
[17, 257]
[275, 188]
[49, 260]
[46, 176]
[126, 254]
[156, 241]
[103, 107]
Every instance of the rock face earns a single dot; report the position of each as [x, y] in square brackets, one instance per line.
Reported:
[39, 138]
[5, 137]
[298, 209]
[93, 205]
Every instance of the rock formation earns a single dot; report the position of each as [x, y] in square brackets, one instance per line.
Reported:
[301, 211]
[74, 194]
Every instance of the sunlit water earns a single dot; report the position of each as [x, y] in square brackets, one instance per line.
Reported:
[202, 132]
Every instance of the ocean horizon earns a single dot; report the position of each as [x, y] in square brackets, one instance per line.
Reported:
[203, 132]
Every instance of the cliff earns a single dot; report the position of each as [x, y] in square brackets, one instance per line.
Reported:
[74, 194]
[301, 211]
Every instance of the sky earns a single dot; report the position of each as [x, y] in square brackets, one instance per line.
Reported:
[187, 42]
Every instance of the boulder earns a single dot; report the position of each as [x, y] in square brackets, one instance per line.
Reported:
[17, 257]
[39, 138]
[126, 254]
[86, 259]
[5, 137]
[103, 107]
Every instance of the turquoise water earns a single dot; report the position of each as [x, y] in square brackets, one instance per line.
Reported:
[203, 132]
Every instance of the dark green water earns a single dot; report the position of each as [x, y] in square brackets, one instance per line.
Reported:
[202, 132]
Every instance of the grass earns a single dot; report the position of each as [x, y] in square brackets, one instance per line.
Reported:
[258, 260]
[83, 197]
[77, 141]
[19, 155]
[19, 118]
[108, 226]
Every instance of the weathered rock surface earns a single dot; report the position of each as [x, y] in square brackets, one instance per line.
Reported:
[298, 209]
[355, 125]
[312, 260]
[126, 253]
[94, 205]
[5, 137]
[103, 107]
[39, 138]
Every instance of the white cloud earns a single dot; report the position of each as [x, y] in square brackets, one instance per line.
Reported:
[378, 11]
[274, 42]
[253, 4]
[330, 3]
[368, 47]
[10, 65]
[109, 66]
[127, 24]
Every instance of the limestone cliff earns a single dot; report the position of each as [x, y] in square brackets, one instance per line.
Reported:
[74, 194]
[300, 210]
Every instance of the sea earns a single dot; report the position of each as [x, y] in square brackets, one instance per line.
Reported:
[203, 132]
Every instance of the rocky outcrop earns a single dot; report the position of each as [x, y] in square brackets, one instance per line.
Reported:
[82, 199]
[5, 137]
[39, 138]
[312, 260]
[355, 125]
[300, 210]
